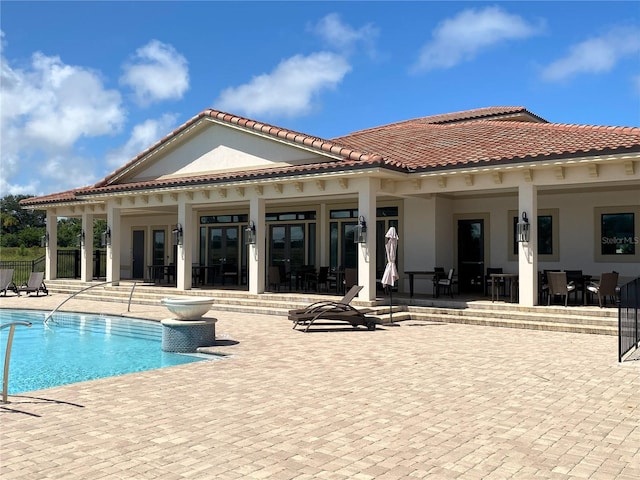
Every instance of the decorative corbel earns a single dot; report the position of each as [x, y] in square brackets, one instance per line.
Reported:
[277, 187]
[259, 189]
[222, 192]
[299, 186]
[240, 191]
[442, 182]
[559, 173]
[344, 183]
[497, 177]
[528, 175]
[593, 170]
[320, 185]
[468, 179]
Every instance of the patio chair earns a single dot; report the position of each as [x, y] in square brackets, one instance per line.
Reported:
[350, 278]
[340, 311]
[438, 273]
[446, 284]
[605, 288]
[558, 285]
[488, 281]
[275, 277]
[576, 278]
[35, 284]
[6, 281]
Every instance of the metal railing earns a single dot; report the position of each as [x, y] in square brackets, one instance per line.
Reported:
[68, 265]
[7, 356]
[48, 317]
[628, 328]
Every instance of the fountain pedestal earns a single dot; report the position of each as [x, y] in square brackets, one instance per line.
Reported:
[188, 330]
[185, 336]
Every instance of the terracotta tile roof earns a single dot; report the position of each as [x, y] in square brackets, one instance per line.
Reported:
[435, 142]
[422, 146]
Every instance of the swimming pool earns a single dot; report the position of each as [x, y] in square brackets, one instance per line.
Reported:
[75, 347]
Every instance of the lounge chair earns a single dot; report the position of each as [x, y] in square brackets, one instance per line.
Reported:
[35, 284]
[340, 311]
[6, 281]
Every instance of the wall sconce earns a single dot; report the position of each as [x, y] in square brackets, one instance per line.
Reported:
[44, 240]
[178, 235]
[524, 229]
[81, 238]
[361, 233]
[106, 237]
[250, 234]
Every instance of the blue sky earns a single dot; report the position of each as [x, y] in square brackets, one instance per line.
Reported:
[86, 86]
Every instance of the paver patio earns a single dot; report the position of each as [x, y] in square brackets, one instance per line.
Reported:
[414, 400]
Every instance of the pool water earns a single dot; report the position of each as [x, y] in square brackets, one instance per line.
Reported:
[73, 348]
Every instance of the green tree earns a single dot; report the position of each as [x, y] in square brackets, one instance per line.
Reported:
[15, 220]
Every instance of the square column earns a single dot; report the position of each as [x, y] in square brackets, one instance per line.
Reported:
[113, 250]
[528, 251]
[256, 253]
[185, 251]
[51, 259]
[367, 251]
[86, 250]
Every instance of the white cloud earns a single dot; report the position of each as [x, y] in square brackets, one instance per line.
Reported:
[157, 72]
[343, 37]
[462, 37]
[595, 55]
[289, 90]
[142, 137]
[47, 107]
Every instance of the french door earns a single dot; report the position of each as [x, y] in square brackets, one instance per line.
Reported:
[223, 252]
[471, 255]
[287, 246]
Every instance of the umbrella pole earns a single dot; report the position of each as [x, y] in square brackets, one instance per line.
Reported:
[391, 304]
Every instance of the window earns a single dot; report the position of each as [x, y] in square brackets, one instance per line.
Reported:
[618, 234]
[547, 235]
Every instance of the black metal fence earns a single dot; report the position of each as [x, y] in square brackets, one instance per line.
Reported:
[628, 331]
[69, 266]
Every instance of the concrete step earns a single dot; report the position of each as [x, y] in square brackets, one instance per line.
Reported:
[591, 320]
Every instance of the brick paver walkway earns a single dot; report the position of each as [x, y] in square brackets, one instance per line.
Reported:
[416, 400]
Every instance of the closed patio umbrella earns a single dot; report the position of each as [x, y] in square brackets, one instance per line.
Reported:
[390, 274]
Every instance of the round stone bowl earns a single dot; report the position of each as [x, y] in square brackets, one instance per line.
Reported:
[188, 308]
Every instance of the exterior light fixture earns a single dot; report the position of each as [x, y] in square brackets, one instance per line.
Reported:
[361, 233]
[106, 237]
[81, 238]
[178, 235]
[524, 229]
[44, 240]
[250, 234]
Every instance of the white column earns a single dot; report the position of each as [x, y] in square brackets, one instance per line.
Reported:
[367, 251]
[323, 231]
[528, 251]
[185, 251]
[51, 260]
[113, 250]
[256, 254]
[86, 250]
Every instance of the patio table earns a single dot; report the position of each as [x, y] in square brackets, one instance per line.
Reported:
[412, 275]
[511, 277]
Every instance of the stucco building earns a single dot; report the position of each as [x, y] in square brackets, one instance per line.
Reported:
[240, 196]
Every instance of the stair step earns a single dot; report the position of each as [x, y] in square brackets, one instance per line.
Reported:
[497, 314]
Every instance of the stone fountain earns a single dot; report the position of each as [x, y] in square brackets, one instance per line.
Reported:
[188, 329]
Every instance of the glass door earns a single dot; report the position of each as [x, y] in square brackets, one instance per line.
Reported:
[287, 248]
[223, 255]
[471, 255]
